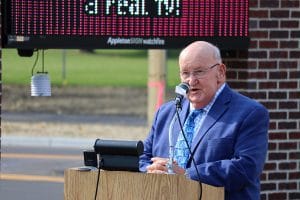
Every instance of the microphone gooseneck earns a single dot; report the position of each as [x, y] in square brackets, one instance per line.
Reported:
[181, 91]
[191, 153]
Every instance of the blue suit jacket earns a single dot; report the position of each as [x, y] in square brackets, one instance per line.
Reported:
[230, 148]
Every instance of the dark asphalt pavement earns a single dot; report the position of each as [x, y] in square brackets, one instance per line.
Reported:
[36, 173]
[32, 168]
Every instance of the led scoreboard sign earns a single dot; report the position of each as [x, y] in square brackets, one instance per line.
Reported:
[30, 24]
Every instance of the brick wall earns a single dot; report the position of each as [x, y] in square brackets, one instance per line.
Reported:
[270, 72]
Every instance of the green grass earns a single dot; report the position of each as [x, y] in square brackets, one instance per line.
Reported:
[103, 68]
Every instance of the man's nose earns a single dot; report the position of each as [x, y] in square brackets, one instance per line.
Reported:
[192, 80]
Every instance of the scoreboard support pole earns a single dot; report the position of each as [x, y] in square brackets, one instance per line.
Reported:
[156, 81]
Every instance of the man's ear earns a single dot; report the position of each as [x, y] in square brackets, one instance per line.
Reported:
[221, 72]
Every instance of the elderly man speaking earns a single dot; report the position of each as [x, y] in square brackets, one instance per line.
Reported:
[226, 132]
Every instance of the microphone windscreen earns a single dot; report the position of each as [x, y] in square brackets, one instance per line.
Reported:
[182, 89]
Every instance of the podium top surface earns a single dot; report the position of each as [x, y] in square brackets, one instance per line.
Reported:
[115, 185]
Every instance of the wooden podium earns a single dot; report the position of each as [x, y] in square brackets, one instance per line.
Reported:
[117, 185]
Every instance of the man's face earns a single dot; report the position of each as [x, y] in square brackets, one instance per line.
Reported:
[202, 73]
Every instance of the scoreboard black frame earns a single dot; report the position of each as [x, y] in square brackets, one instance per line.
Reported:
[104, 24]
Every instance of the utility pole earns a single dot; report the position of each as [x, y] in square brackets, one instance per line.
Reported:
[64, 66]
[156, 81]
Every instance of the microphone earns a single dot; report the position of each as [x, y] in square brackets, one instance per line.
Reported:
[181, 90]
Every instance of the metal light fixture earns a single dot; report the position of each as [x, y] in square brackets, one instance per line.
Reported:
[40, 82]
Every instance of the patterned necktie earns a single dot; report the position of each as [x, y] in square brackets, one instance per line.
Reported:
[181, 151]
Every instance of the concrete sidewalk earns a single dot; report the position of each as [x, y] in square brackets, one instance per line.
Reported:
[112, 119]
[39, 141]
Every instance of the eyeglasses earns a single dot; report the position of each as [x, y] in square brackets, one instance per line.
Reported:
[200, 73]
